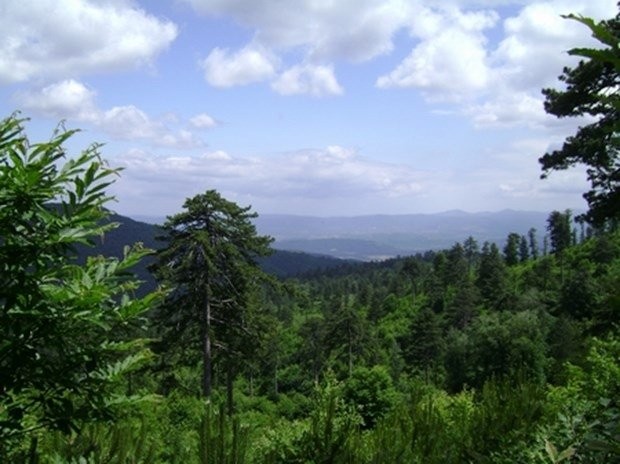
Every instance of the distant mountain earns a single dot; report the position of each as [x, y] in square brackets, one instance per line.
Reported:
[129, 231]
[364, 238]
[381, 236]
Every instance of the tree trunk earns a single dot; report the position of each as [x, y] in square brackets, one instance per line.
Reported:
[350, 349]
[275, 379]
[206, 348]
[230, 403]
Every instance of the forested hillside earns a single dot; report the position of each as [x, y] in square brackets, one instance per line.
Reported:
[280, 263]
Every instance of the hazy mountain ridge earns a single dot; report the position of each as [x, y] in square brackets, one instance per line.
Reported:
[381, 236]
[376, 237]
[281, 263]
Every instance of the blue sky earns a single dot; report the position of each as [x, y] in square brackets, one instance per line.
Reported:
[318, 107]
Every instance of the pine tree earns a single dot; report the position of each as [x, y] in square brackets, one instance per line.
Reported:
[511, 249]
[532, 243]
[209, 261]
[591, 88]
[492, 277]
[560, 232]
[523, 249]
[423, 345]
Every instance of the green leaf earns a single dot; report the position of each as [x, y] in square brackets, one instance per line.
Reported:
[552, 451]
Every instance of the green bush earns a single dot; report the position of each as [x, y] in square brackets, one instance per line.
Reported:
[370, 392]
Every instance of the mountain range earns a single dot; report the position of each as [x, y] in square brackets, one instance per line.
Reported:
[281, 263]
[377, 237]
[384, 236]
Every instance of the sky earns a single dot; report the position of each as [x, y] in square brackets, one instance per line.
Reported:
[310, 107]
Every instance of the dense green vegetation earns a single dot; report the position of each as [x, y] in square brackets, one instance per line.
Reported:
[470, 354]
[478, 353]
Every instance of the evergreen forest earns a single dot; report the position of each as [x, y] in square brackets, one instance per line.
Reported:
[480, 353]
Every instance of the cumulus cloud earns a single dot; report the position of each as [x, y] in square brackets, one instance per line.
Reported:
[450, 60]
[533, 50]
[318, 81]
[64, 99]
[497, 83]
[71, 99]
[530, 56]
[64, 38]
[355, 30]
[203, 121]
[510, 109]
[461, 51]
[250, 64]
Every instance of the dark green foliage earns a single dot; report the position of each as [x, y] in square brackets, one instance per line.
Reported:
[221, 440]
[210, 261]
[591, 89]
[565, 341]
[497, 345]
[492, 277]
[532, 243]
[312, 353]
[579, 294]
[286, 264]
[511, 249]
[423, 430]
[423, 345]
[329, 435]
[457, 266]
[347, 337]
[122, 442]
[524, 253]
[542, 275]
[463, 307]
[472, 252]
[499, 408]
[560, 233]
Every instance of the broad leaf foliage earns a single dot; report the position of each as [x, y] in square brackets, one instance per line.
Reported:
[62, 325]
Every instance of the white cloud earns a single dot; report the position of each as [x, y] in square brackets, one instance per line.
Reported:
[318, 81]
[337, 179]
[451, 58]
[65, 38]
[218, 155]
[250, 64]
[530, 56]
[71, 99]
[203, 121]
[510, 109]
[355, 30]
[65, 99]
[461, 50]
[450, 61]
[128, 122]
[322, 33]
[316, 174]
[533, 51]
[498, 85]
